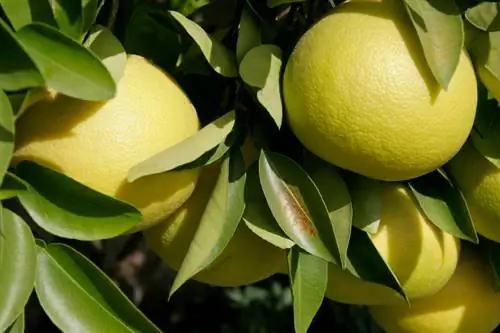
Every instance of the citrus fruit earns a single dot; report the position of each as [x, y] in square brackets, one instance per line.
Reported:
[421, 256]
[246, 259]
[96, 143]
[467, 303]
[359, 94]
[479, 181]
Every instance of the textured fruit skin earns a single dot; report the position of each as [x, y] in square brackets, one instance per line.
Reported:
[479, 181]
[466, 304]
[421, 256]
[246, 259]
[97, 143]
[359, 94]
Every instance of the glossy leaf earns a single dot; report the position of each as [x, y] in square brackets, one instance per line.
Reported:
[17, 326]
[297, 206]
[248, 34]
[222, 60]
[17, 264]
[219, 222]
[257, 216]
[444, 205]
[68, 15]
[109, 50]
[67, 66]
[188, 150]
[17, 70]
[440, 30]
[70, 286]
[24, 12]
[90, 9]
[366, 201]
[68, 209]
[308, 278]
[366, 263]
[6, 133]
[11, 186]
[485, 16]
[336, 196]
[261, 68]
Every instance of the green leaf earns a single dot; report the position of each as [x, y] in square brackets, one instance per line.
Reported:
[308, 278]
[261, 68]
[66, 65]
[222, 60]
[29, 98]
[444, 205]
[491, 250]
[366, 201]
[484, 134]
[68, 209]
[484, 16]
[78, 297]
[24, 12]
[336, 196]
[297, 206]
[257, 216]
[276, 3]
[248, 33]
[11, 186]
[219, 222]
[6, 133]
[17, 326]
[188, 150]
[440, 29]
[366, 263]
[17, 70]
[89, 10]
[485, 48]
[109, 50]
[68, 15]
[187, 7]
[17, 264]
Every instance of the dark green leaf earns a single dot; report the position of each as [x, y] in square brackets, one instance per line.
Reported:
[187, 7]
[276, 3]
[68, 15]
[336, 196]
[79, 297]
[297, 206]
[66, 65]
[440, 29]
[491, 251]
[24, 12]
[222, 60]
[366, 263]
[17, 70]
[484, 16]
[257, 216]
[248, 34]
[366, 201]
[6, 133]
[89, 13]
[17, 264]
[485, 134]
[219, 222]
[11, 186]
[188, 150]
[308, 278]
[27, 99]
[69, 209]
[17, 326]
[444, 205]
[109, 50]
[261, 68]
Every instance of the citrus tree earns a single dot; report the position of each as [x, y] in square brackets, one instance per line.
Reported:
[350, 145]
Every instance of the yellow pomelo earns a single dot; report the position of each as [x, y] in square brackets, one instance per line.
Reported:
[246, 259]
[359, 94]
[479, 181]
[421, 256]
[466, 304]
[96, 143]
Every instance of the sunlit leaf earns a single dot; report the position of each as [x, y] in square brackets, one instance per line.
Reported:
[484, 16]
[6, 133]
[68, 15]
[17, 326]
[68, 209]
[66, 65]
[17, 264]
[70, 286]
[90, 9]
[248, 34]
[11, 186]
[308, 278]
[24, 12]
